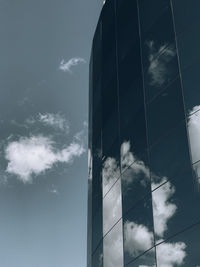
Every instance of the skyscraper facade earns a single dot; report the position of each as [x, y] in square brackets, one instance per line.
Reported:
[144, 135]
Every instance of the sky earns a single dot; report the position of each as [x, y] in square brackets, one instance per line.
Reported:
[44, 69]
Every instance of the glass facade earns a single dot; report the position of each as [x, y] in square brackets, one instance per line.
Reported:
[144, 135]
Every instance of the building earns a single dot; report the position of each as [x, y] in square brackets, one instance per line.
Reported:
[144, 135]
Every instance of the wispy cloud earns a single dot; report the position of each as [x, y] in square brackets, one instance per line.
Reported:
[158, 62]
[67, 65]
[56, 121]
[33, 155]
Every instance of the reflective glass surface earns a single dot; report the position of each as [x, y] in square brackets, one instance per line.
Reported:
[191, 89]
[97, 257]
[150, 11]
[113, 247]
[144, 134]
[147, 259]
[138, 230]
[135, 183]
[170, 156]
[97, 228]
[112, 207]
[165, 112]
[182, 250]
[188, 49]
[175, 205]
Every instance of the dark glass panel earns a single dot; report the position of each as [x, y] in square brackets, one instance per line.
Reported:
[127, 28]
[175, 205]
[186, 14]
[113, 247]
[151, 11]
[162, 70]
[165, 112]
[170, 155]
[188, 46]
[158, 37]
[135, 184]
[97, 257]
[194, 135]
[182, 250]
[138, 230]
[112, 207]
[111, 169]
[134, 133]
[145, 260]
[191, 85]
[97, 228]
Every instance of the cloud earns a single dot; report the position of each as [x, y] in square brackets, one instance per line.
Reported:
[113, 247]
[194, 137]
[66, 66]
[112, 207]
[163, 209]
[135, 165]
[158, 62]
[110, 173]
[55, 120]
[34, 155]
[170, 254]
[137, 238]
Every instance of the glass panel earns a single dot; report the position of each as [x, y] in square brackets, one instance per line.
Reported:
[112, 207]
[175, 205]
[194, 136]
[188, 46]
[191, 85]
[135, 184]
[165, 112]
[171, 154]
[134, 134]
[145, 260]
[182, 250]
[138, 230]
[97, 258]
[158, 37]
[111, 170]
[113, 247]
[97, 228]
[127, 28]
[150, 11]
[188, 18]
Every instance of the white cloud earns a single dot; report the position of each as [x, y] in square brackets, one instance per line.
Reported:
[163, 209]
[170, 254]
[113, 247]
[66, 66]
[158, 62]
[112, 207]
[138, 167]
[110, 173]
[194, 137]
[53, 191]
[33, 155]
[55, 120]
[137, 238]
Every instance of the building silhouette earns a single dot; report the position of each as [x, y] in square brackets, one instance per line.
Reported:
[144, 135]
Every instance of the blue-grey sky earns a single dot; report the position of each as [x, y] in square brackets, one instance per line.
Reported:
[44, 51]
